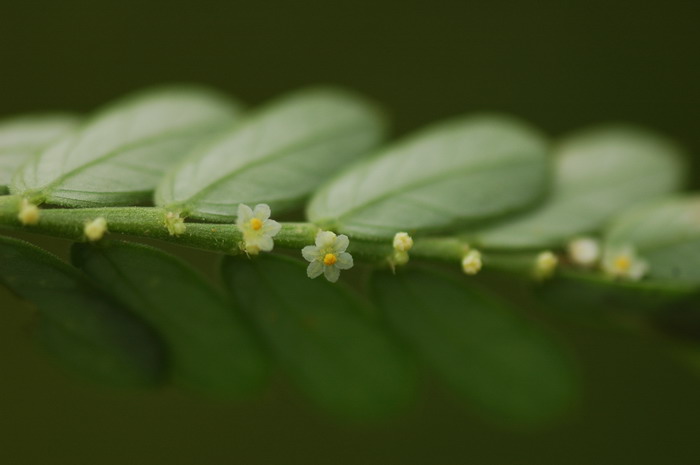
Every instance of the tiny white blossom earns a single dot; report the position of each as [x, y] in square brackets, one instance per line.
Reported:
[402, 242]
[545, 264]
[623, 262]
[584, 251]
[94, 230]
[28, 213]
[471, 262]
[328, 256]
[257, 228]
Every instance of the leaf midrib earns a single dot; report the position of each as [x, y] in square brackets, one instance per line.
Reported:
[191, 131]
[274, 155]
[424, 182]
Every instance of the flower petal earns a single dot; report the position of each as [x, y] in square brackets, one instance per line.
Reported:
[244, 214]
[271, 228]
[314, 269]
[310, 253]
[332, 273]
[341, 243]
[639, 269]
[262, 211]
[344, 261]
[265, 243]
[325, 239]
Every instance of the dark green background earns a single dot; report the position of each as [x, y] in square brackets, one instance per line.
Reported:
[559, 64]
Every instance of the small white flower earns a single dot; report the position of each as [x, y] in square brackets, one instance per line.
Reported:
[624, 263]
[257, 228]
[402, 242]
[584, 251]
[94, 230]
[471, 262]
[328, 256]
[545, 264]
[28, 213]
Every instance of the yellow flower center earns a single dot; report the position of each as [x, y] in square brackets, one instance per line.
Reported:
[330, 259]
[622, 263]
[256, 224]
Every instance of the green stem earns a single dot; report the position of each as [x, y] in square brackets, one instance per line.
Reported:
[150, 222]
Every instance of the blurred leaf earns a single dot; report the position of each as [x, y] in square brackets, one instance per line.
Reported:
[120, 155]
[666, 234]
[79, 326]
[599, 173]
[595, 298]
[319, 334]
[22, 136]
[503, 364]
[209, 349]
[447, 175]
[278, 156]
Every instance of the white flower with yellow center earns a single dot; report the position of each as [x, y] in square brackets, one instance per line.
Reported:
[623, 263]
[328, 256]
[257, 228]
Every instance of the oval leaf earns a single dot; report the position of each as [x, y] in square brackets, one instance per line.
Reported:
[209, 349]
[79, 326]
[278, 156]
[319, 335]
[448, 175]
[23, 136]
[599, 173]
[120, 155]
[504, 365]
[666, 234]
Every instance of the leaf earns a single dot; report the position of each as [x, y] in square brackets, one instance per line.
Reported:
[118, 156]
[21, 137]
[278, 156]
[448, 175]
[593, 298]
[503, 364]
[210, 350]
[599, 173]
[82, 328]
[320, 336]
[666, 233]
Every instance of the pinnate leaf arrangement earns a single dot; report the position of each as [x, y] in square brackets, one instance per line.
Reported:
[599, 211]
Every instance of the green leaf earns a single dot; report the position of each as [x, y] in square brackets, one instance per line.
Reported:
[278, 156]
[210, 350]
[503, 364]
[448, 175]
[21, 137]
[120, 155]
[321, 337]
[82, 328]
[665, 233]
[593, 298]
[598, 174]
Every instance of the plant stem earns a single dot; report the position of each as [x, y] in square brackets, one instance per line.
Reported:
[150, 222]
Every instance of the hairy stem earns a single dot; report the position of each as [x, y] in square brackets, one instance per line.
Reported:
[150, 222]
